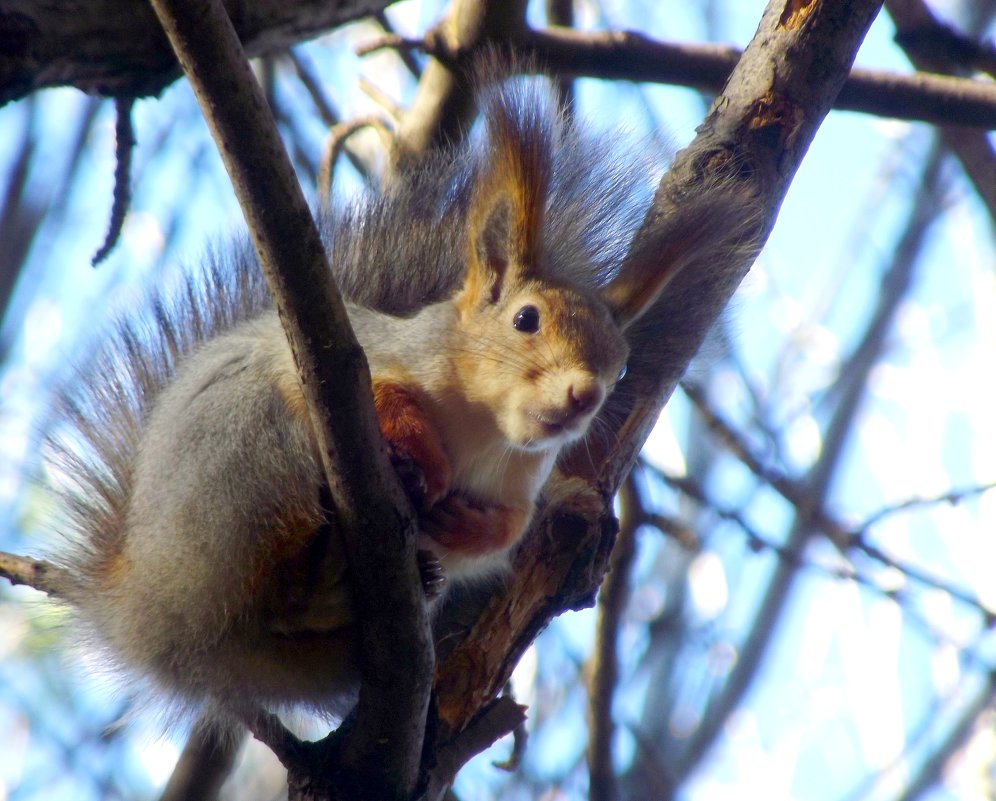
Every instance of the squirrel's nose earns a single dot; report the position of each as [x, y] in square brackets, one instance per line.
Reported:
[582, 397]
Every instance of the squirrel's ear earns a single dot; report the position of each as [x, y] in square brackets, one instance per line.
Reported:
[719, 227]
[642, 277]
[495, 254]
[505, 219]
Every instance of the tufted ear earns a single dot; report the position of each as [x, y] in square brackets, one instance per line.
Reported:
[505, 220]
[648, 268]
[719, 227]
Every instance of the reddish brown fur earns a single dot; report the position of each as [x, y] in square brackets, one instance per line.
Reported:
[405, 425]
[473, 530]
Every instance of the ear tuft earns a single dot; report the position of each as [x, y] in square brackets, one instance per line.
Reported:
[719, 226]
[508, 199]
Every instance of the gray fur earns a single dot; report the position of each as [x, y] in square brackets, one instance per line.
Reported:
[157, 461]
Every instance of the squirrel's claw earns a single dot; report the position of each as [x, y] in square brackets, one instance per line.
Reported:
[433, 576]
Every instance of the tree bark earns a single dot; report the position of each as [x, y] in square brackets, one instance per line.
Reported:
[116, 47]
[379, 757]
[755, 136]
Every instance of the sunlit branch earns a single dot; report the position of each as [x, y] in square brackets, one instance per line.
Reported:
[37, 573]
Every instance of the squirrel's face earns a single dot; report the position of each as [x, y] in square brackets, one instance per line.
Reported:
[543, 361]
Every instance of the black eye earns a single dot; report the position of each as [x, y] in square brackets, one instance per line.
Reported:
[526, 320]
[622, 373]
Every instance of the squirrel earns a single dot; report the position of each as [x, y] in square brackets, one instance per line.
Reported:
[487, 292]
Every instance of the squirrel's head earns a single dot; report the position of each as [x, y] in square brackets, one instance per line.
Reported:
[542, 358]
[540, 354]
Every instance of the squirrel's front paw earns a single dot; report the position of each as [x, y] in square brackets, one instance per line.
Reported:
[411, 476]
[459, 524]
[425, 480]
[415, 448]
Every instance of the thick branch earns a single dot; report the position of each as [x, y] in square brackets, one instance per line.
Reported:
[763, 123]
[384, 746]
[116, 47]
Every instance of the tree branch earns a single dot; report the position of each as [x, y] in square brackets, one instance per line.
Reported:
[763, 122]
[631, 56]
[602, 782]
[443, 108]
[383, 749]
[915, 23]
[116, 47]
[37, 573]
[500, 718]
[205, 763]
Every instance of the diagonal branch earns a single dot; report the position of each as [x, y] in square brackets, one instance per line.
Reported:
[756, 134]
[384, 746]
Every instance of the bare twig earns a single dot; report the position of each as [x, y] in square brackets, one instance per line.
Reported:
[37, 573]
[305, 71]
[794, 559]
[406, 58]
[951, 497]
[390, 41]
[795, 492]
[520, 738]
[329, 114]
[844, 537]
[124, 144]
[335, 143]
[391, 107]
[501, 717]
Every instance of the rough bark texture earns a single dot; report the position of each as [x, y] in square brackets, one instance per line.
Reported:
[379, 756]
[757, 131]
[116, 47]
